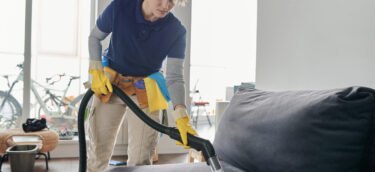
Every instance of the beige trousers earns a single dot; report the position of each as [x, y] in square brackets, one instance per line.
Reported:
[104, 124]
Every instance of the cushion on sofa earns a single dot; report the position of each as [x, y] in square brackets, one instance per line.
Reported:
[317, 131]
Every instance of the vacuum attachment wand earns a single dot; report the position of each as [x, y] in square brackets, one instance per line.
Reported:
[197, 143]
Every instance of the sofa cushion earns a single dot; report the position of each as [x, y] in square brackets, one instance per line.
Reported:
[317, 131]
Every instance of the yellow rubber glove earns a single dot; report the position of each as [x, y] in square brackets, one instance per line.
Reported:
[183, 124]
[100, 83]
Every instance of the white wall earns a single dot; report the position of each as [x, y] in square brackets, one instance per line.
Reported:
[315, 44]
[223, 47]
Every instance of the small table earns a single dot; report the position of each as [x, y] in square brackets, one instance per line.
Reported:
[48, 141]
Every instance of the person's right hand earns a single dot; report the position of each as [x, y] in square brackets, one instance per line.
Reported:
[183, 125]
[100, 83]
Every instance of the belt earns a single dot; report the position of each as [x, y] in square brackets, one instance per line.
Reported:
[126, 84]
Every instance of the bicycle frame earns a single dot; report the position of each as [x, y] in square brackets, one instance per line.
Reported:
[38, 97]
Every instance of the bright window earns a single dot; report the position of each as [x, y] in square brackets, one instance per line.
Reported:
[60, 30]
[57, 26]
[60, 60]
[12, 32]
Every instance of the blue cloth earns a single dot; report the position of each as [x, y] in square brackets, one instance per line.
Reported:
[162, 83]
[140, 84]
[138, 47]
[105, 61]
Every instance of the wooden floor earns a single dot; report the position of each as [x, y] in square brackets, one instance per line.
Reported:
[72, 164]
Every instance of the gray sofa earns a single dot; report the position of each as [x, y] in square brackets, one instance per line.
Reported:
[292, 131]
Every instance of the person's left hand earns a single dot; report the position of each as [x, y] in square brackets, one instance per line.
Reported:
[183, 125]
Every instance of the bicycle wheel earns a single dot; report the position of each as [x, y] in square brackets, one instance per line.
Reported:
[53, 105]
[74, 106]
[55, 115]
[73, 109]
[10, 113]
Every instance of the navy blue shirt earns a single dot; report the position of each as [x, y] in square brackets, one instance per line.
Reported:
[138, 47]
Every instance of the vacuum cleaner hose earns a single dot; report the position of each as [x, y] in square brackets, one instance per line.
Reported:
[194, 142]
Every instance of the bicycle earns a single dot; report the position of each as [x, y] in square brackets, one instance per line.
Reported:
[51, 105]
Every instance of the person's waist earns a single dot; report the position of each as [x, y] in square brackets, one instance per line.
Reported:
[123, 78]
[129, 73]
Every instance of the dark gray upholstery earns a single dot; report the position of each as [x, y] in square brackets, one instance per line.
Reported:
[309, 131]
[194, 167]
[191, 167]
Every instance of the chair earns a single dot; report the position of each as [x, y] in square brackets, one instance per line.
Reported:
[197, 106]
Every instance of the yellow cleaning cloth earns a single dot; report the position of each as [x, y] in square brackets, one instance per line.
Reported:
[156, 100]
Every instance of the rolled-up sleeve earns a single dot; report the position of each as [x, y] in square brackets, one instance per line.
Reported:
[175, 80]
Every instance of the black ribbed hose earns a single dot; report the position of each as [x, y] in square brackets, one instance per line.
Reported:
[194, 142]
